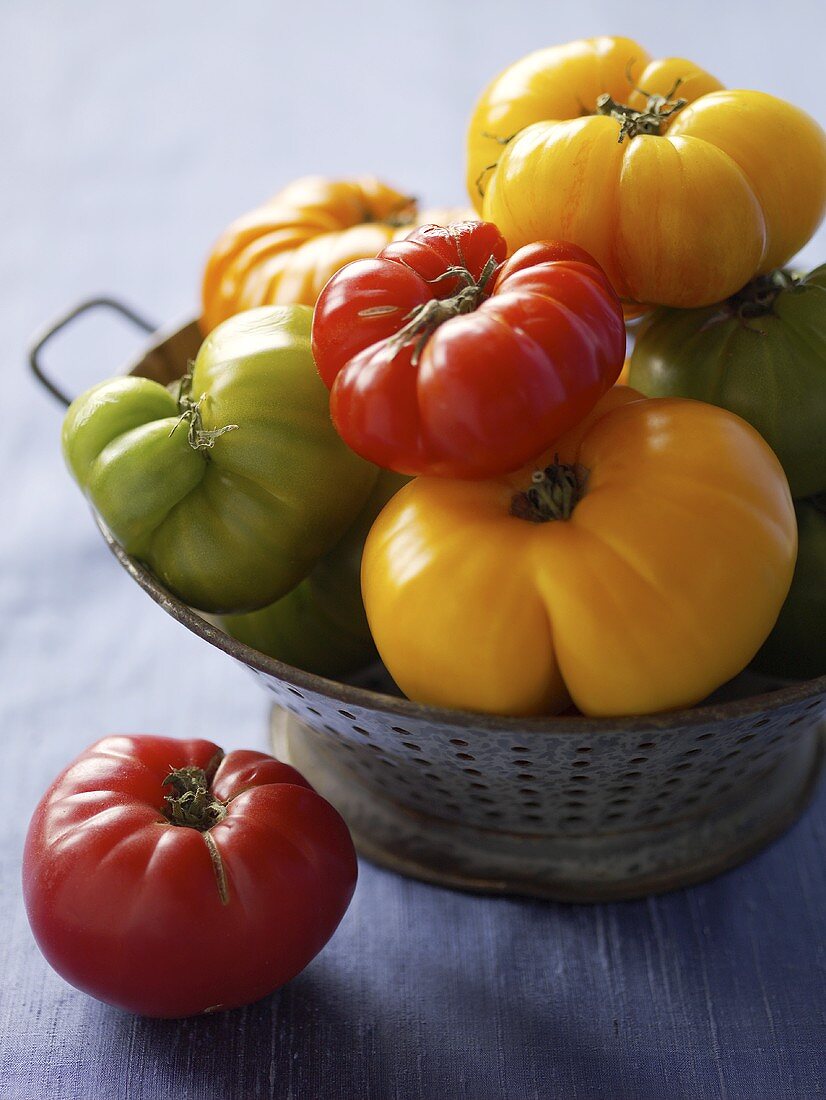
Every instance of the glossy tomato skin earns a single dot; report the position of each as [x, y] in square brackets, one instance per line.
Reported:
[727, 185]
[283, 252]
[514, 355]
[233, 516]
[321, 626]
[473, 606]
[766, 362]
[128, 907]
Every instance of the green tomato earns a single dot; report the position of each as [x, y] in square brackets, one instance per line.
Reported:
[796, 648]
[234, 485]
[761, 354]
[321, 626]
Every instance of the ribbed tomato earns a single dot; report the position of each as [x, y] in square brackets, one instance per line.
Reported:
[283, 252]
[633, 568]
[761, 354]
[443, 359]
[164, 877]
[681, 189]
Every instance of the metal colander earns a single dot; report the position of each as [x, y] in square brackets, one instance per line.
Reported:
[571, 808]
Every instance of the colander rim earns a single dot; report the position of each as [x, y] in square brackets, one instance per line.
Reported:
[350, 695]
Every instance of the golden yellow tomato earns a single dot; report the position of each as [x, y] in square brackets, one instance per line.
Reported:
[682, 191]
[282, 253]
[635, 569]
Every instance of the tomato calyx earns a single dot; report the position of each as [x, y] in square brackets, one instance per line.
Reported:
[193, 806]
[757, 298]
[658, 109]
[404, 214]
[198, 437]
[422, 321]
[553, 495]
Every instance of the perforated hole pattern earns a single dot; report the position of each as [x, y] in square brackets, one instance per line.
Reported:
[545, 782]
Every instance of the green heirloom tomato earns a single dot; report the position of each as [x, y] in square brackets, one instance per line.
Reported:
[761, 354]
[796, 648]
[321, 626]
[234, 485]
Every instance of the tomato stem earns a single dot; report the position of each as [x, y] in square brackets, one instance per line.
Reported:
[757, 298]
[422, 321]
[192, 805]
[553, 495]
[492, 167]
[404, 213]
[648, 121]
[199, 438]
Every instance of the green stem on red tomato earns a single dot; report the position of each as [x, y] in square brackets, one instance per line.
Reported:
[194, 806]
[423, 320]
[192, 803]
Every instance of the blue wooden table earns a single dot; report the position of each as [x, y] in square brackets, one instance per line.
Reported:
[129, 136]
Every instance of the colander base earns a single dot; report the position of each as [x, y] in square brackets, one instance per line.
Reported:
[608, 865]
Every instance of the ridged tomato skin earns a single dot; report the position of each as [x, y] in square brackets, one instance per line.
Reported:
[132, 909]
[320, 626]
[284, 251]
[760, 354]
[682, 207]
[660, 584]
[443, 358]
[232, 487]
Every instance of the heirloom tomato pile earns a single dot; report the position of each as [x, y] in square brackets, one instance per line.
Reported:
[404, 433]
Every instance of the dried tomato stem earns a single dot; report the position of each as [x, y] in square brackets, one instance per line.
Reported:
[199, 438]
[554, 494]
[404, 213]
[192, 803]
[757, 298]
[423, 320]
[648, 121]
[194, 806]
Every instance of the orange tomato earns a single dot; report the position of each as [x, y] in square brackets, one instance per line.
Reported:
[282, 253]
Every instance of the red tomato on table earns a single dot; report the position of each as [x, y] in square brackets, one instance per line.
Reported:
[164, 877]
[443, 359]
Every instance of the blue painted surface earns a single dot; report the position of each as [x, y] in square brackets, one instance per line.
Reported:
[129, 136]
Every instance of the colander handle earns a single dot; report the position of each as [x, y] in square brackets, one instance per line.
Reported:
[36, 349]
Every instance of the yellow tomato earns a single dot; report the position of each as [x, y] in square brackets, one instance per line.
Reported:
[661, 584]
[682, 191]
[282, 253]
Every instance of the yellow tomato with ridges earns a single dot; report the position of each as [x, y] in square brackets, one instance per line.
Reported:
[634, 569]
[682, 190]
